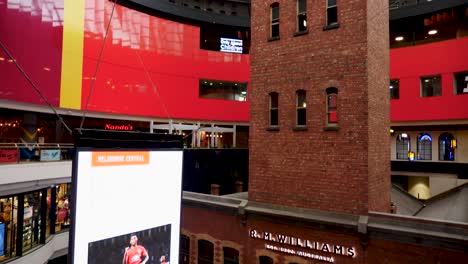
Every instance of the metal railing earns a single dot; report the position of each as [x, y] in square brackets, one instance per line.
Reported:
[27, 152]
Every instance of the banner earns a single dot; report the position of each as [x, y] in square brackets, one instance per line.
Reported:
[136, 195]
[8, 155]
[2, 238]
[50, 154]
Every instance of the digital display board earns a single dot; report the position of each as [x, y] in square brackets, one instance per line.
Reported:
[231, 45]
[127, 206]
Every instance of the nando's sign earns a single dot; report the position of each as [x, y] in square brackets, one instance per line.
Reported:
[118, 127]
[302, 247]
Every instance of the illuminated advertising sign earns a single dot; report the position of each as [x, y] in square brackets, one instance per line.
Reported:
[231, 45]
[50, 154]
[2, 238]
[127, 206]
[306, 248]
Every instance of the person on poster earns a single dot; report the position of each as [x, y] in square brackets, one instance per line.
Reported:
[135, 253]
[163, 260]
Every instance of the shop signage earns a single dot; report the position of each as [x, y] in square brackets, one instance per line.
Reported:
[50, 154]
[8, 155]
[118, 127]
[2, 238]
[301, 246]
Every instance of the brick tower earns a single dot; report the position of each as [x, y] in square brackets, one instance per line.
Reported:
[319, 126]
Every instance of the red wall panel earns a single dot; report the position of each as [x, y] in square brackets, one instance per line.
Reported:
[411, 63]
[32, 32]
[139, 45]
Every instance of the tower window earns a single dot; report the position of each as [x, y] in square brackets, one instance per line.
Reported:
[332, 108]
[424, 146]
[332, 12]
[274, 21]
[301, 15]
[301, 119]
[273, 109]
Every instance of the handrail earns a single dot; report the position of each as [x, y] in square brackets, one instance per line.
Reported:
[36, 145]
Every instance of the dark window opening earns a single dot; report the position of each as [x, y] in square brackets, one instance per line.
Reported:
[275, 31]
[265, 260]
[332, 12]
[273, 109]
[446, 147]
[301, 105]
[301, 15]
[205, 252]
[212, 34]
[431, 86]
[184, 254]
[225, 90]
[394, 89]
[231, 256]
[461, 82]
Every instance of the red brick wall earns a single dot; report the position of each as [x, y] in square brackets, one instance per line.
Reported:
[328, 170]
[223, 229]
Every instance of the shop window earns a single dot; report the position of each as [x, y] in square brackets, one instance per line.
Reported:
[332, 108]
[274, 21]
[301, 118]
[301, 15]
[332, 13]
[447, 145]
[394, 89]
[461, 82]
[205, 252]
[431, 86]
[223, 90]
[424, 146]
[403, 146]
[273, 109]
[231, 256]
[8, 227]
[184, 253]
[265, 260]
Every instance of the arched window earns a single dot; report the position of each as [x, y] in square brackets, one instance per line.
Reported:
[332, 108]
[447, 144]
[184, 254]
[205, 252]
[403, 145]
[301, 15]
[265, 260]
[231, 256]
[301, 118]
[274, 20]
[424, 146]
[273, 109]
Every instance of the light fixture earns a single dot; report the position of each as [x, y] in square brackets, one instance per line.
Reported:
[305, 23]
[304, 105]
[391, 86]
[453, 143]
[46, 69]
[426, 80]
[243, 92]
[2, 59]
[432, 32]
[411, 155]
[392, 131]
[399, 38]
[404, 135]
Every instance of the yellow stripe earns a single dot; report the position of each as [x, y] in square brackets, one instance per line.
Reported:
[72, 54]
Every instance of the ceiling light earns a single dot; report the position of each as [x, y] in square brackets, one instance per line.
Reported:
[391, 86]
[243, 92]
[432, 32]
[399, 38]
[2, 59]
[46, 69]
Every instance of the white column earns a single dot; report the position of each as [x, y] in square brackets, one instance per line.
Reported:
[212, 138]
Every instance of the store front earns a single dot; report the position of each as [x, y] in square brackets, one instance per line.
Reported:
[28, 219]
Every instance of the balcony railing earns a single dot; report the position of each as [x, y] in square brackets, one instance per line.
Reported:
[23, 152]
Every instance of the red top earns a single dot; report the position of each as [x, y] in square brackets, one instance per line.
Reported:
[134, 254]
